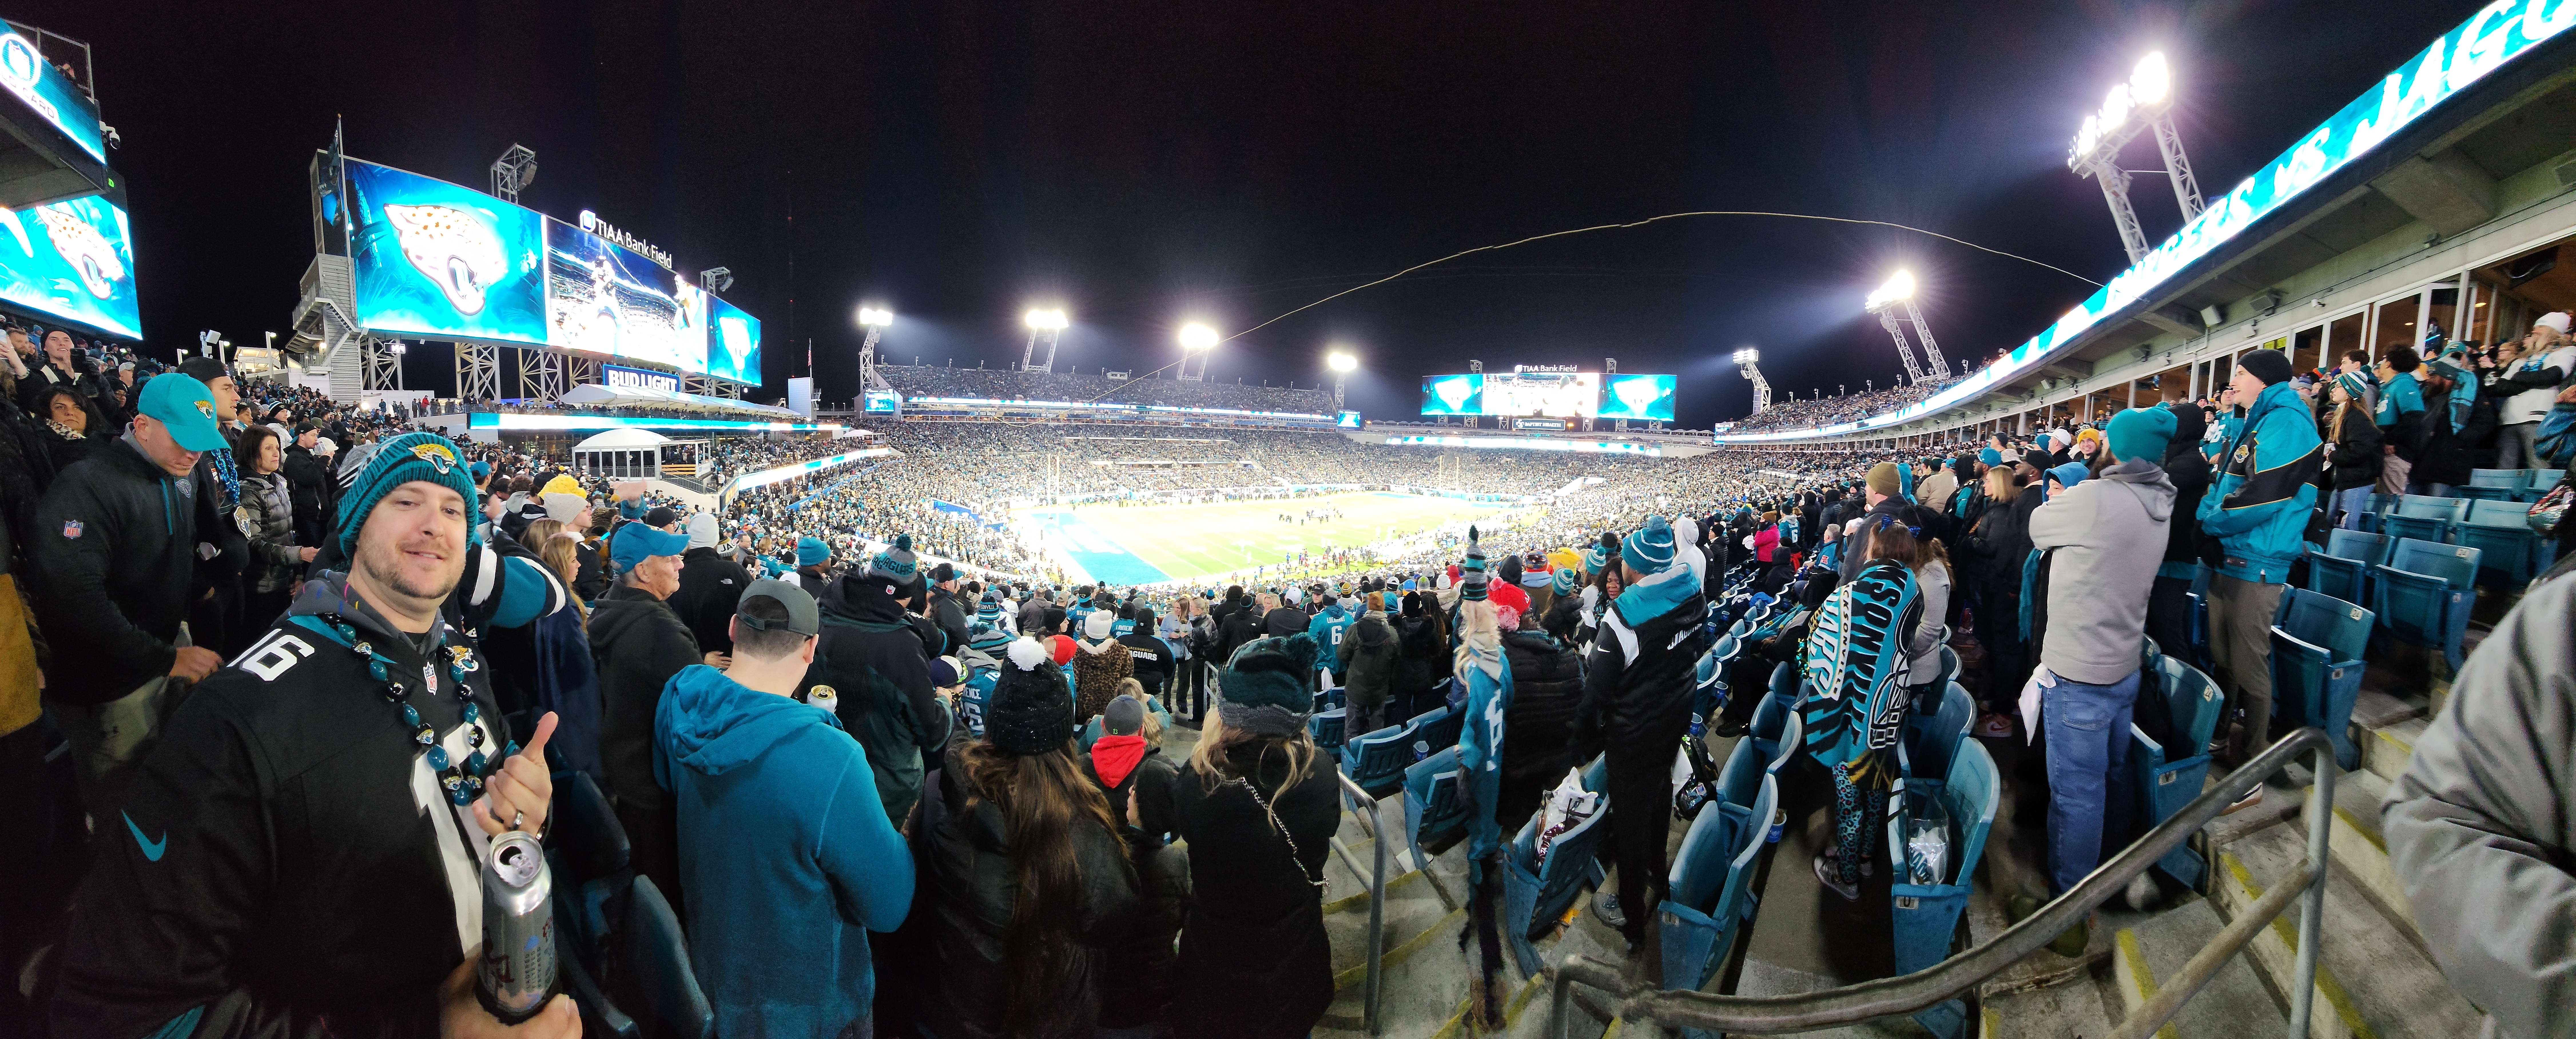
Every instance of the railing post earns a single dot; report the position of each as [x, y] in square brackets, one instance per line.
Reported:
[2312, 914]
[1377, 925]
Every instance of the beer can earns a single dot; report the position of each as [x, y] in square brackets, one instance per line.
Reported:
[824, 697]
[517, 971]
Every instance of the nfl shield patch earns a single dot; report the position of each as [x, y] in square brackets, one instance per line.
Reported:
[71, 528]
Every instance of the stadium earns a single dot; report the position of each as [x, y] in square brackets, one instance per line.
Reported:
[1237, 528]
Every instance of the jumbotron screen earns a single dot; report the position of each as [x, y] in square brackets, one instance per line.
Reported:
[1549, 394]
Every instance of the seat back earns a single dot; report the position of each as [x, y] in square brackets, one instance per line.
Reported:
[2430, 507]
[2337, 576]
[2416, 528]
[2454, 564]
[586, 836]
[1728, 647]
[1971, 794]
[2544, 479]
[2496, 479]
[1784, 680]
[1432, 802]
[1741, 776]
[1440, 728]
[2370, 549]
[2194, 704]
[2500, 513]
[654, 983]
[1932, 741]
[1376, 761]
[2510, 551]
[1949, 668]
[1699, 866]
[1326, 727]
[2333, 624]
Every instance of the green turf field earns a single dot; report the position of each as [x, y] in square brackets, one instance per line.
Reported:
[1189, 541]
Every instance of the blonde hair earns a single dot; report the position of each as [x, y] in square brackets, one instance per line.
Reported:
[1213, 758]
[560, 554]
[1153, 730]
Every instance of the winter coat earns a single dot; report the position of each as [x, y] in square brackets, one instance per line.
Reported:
[1482, 742]
[1098, 668]
[1368, 654]
[61, 452]
[2533, 384]
[1234, 630]
[1153, 659]
[1638, 680]
[567, 683]
[1138, 988]
[2101, 534]
[950, 617]
[710, 590]
[1422, 657]
[2356, 460]
[1284, 621]
[309, 484]
[1327, 626]
[781, 948]
[275, 561]
[965, 896]
[875, 657]
[272, 873]
[2258, 509]
[1255, 962]
[113, 554]
[1547, 685]
[637, 644]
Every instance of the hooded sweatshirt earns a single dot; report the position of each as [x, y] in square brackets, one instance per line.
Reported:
[2109, 535]
[788, 857]
[2258, 505]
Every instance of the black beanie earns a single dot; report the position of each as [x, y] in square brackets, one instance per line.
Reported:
[1029, 711]
[2267, 365]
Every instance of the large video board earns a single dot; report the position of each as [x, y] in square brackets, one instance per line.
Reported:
[74, 260]
[437, 259]
[1453, 395]
[1520, 394]
[1647, 397]
[443, 261]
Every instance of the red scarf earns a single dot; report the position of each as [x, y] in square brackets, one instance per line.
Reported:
[1116, 756]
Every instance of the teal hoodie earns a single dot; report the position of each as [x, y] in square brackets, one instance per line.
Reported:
[2258, 505]
[785, 852]
[1327, 630]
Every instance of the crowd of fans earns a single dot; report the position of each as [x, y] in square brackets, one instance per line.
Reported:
[859, 759]
[1807, 412]
[1071, 387]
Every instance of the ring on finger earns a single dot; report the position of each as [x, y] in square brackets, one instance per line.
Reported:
[518, 820]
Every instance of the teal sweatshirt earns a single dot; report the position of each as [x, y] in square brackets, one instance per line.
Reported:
[785, 852]
[2258, 505]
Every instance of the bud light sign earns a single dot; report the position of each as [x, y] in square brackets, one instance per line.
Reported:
[617, 378]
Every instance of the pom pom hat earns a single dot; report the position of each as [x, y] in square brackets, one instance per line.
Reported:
[413, 456]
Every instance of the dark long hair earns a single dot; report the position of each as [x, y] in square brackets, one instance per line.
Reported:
[1042, 798]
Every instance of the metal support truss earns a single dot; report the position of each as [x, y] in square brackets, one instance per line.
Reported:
[1886, 320]
[2178, 168]
[478, 371]
[1761, 387]
[1052, 337]
[2115, 190]
[541, 377]
[1931, 351]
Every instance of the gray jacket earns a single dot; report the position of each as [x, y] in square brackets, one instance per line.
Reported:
[2109, 533]
[2481, 827]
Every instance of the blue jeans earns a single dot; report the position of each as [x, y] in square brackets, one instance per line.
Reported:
[2351, 505]
[2088, 788]
[2429, 490]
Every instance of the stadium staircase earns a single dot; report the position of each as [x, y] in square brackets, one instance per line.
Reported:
[2375, 977]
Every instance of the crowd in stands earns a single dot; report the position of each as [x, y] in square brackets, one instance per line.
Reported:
[1071, 387]
[724, 458]
[1807, 412]
[294, 691]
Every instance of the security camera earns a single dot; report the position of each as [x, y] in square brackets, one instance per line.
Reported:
[114, 139]
[2321, 304]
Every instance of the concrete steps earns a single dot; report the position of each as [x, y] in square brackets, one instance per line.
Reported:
[2371, 980]
[2234, 1002]
[2357, 847]
[2073, 1010]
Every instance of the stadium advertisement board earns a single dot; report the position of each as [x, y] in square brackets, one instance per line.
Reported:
[617, 378]
[439, 260]
[509, 422]
[1348, 420]
[2493, 36]
[1647, 397]
[884, 402]
[1557, 394]
[74, 260]
[1583, 447]
[733, 343]
[766, 477]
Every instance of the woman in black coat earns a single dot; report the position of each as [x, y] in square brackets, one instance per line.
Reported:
[1257, 806]
[72, 429]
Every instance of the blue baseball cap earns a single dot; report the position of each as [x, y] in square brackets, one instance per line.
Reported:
[184, 406]
[637, 542]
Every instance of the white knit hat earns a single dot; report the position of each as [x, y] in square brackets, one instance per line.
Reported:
[2556, 319]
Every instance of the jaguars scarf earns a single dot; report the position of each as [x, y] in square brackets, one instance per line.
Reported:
[1855, 667]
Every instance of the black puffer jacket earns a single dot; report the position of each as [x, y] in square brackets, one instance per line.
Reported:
[2357, 459]
[965, 896]
[1547, 685]
[1255, 962]
[638, 644]
[710, 590]
[1369, 656]
[113, 552]
[1422, 656]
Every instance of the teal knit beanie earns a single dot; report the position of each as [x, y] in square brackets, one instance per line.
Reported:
[412, 456]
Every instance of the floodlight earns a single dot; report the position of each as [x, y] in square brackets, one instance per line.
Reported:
[1045, 319]
[1899, 286]
[1748, 355]
[875, 318]
[2152, 81]
[1342, 362]
[1195, 336]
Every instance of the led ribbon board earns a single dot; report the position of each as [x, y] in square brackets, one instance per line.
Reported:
[766, 477]
[507, 421]
[2495, 35]
[1581, 447]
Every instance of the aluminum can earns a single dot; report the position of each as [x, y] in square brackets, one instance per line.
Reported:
[824, 697]
[517, 971]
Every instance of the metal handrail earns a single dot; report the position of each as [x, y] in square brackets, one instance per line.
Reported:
[1956, 976]
[1377, 885]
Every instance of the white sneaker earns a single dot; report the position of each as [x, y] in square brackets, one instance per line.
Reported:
[2251, 799]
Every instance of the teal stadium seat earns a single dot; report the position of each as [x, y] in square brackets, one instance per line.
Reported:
[654, 982]
[1434, 816]
[2168, 778]
[2509, 551]
[1924, 918]
[1536, 893]
[2424, 518]
[1929, 741]
[2494, 484]
[1326, 727]
[1377, 760]
[2423, 595]
[1439, 728]
[1708, 903]
[2317, 646]
[2342, 568]
[2380, 505]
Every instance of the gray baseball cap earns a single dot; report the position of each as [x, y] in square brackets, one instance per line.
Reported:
[801, 616]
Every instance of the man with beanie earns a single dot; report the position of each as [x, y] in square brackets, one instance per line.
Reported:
[813, 566]
[637, 644]
[2107, 535]
[2548, 358]
[759, 777]
[875, 657]
[711, 586]
[946, 611]
[113, 554]
[1637, 688]
[2257, 509]
[1100, 665]
[350, 768]
[981, 661]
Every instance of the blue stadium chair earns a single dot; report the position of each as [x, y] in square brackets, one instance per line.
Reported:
[2508, 549]
[1707, 901]
[653, 981]
[1331, 698]
[599, 1014]
[1776, 724]
[1741, 630]
[2342, 568]
[1434, 816]
[1440, 728]
[2493, 484]
[2378, 509]
[1326, 727]
[1929, 742]
[1926, 916]
[2167, 778]
[2425, 518]
[2423, 595]
[1377, 760]
[2539, 482]
[2317, 666]
[588, 851]
[1536, 894]
[1709, 692]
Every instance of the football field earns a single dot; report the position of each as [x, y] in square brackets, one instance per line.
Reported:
[1138, 544]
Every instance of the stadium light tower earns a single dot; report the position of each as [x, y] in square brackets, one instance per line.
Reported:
[1899, 293]
[1750, 360]
[1198, 343]
[1049, 324]
[513, 172]
[875, 321]
[1343, 365]
[2146, 100]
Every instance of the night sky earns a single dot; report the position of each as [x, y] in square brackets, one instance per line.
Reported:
[1143, 165]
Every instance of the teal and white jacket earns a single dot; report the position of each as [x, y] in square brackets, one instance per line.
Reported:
[2258, 507]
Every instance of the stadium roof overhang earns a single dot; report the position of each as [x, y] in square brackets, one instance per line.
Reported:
[2440, 168]
[596, 395]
